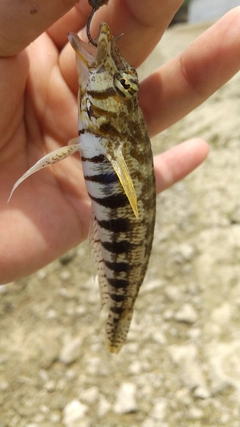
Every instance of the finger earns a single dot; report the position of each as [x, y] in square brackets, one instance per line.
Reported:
[142, 23]
[185, 82]
[11, 99]
[73, 21]
[21, 22]
[173, 165]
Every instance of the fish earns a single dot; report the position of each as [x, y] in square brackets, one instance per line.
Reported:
[117, 164]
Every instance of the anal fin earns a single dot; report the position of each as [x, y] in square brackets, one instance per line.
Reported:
[97, 261]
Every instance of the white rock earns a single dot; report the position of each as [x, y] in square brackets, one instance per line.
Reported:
[3, 384]
[151, 285]
[71, 351]
[185, 356]
[201, 392]
[222, 314]
[194, 333]
[172, 292]
[89, 395]
[180, 353]
[159, 410]
[55, 417]
[168, 314]
[186, 251]
[50, 385]
[41, 274]
[103, 406]
[195, 413]
[192, 375]
[74, 413]
[149, 422]
[38, 419]
[126, 402]
[43, 375]
[94, 366]
[71, 374]
[51, 314]
[44, 409]
[135, 368]
[61, 384]
[159, 337]
[224, 365]
[65, 275]
[186, 314]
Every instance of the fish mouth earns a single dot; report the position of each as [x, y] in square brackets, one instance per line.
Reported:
[89, 54]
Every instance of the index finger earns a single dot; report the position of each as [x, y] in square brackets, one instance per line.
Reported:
[142, 23]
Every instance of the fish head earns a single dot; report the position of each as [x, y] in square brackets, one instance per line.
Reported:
[102, 68]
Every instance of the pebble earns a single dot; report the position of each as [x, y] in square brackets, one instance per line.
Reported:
[89, 395]
[224, 366]
[152, 285]
[152, 422]
[201, 393]
[168, 314]
[50, 385]
[103, 406]
[186, 251]
[71, 351]
[159, 337]
[192, 376]
[149, 422]
[51, 314]
[181, 353]
[42, 274]
[55, 417]
[125, 401]
[43, 375]
[222, 314]
[159, 410]
[172, 293]
[186, 314]
[194, 333]
[73, 414]
[195, 413]
[50, 353]
[135, 367]
[3, 384]
[93, 366]
[190, 370]
[65, 275]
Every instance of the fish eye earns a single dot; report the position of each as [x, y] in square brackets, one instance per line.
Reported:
[126, 84]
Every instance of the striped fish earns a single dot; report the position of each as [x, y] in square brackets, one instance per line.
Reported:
[118, 169]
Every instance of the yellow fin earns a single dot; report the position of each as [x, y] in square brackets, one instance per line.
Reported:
[120, 167]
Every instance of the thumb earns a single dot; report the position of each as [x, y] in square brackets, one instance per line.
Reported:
[21, 22]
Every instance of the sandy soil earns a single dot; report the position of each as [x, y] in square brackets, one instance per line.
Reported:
[181, 364]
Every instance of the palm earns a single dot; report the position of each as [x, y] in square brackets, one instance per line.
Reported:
[49, 213]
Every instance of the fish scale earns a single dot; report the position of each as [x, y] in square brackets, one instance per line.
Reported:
[118, 169]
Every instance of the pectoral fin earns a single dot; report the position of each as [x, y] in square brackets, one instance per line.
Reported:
[53, 157]
[120, 167]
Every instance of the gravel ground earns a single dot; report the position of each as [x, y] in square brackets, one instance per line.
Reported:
[181, 364]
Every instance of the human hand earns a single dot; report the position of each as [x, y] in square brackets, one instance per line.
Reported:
[50, 212]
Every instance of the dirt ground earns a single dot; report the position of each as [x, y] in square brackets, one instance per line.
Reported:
[181, 364]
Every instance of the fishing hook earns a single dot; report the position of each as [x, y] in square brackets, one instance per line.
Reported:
[95, 6]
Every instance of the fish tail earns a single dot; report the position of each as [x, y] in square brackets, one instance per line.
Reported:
[117, 329]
